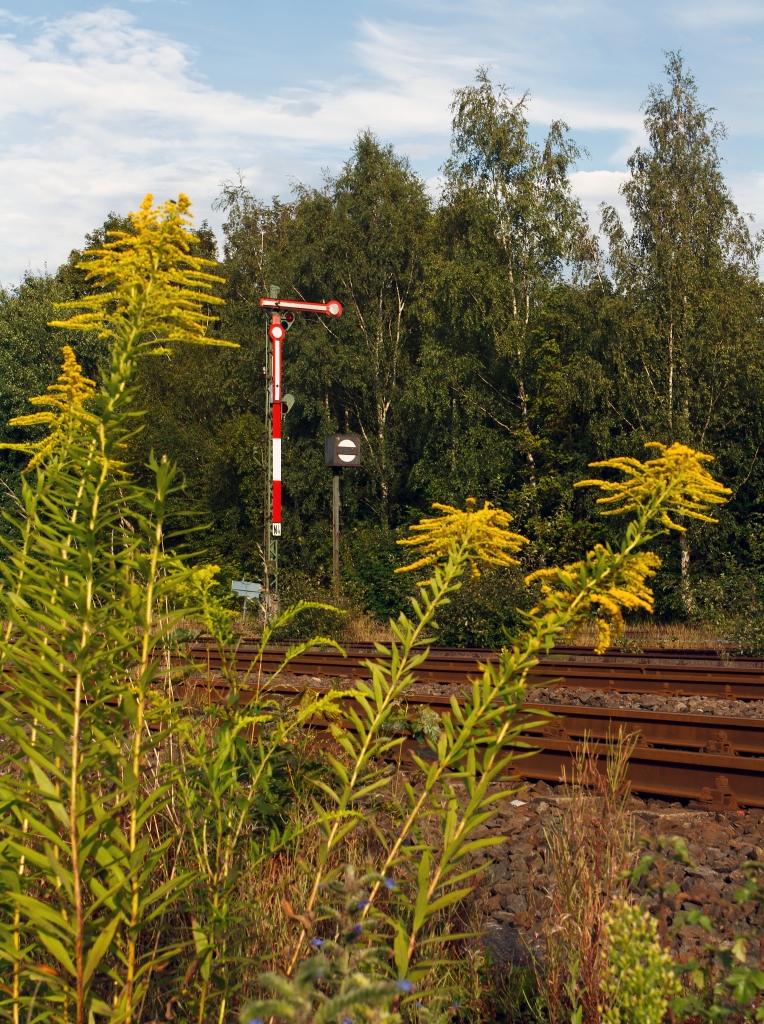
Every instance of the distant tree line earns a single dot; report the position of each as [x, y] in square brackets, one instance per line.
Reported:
[492, 345]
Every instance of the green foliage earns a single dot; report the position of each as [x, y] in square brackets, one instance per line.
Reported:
[487, 348]
[639, 981]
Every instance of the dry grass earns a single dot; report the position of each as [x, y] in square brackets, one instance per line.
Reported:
[642, 635]
[591, 845]
[360, 628]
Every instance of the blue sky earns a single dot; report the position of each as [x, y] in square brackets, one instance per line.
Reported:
[103, 102]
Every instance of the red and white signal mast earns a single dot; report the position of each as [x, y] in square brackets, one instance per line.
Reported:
[280, 314]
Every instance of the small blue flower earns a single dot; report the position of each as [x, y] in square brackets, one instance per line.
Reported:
[403, 985]
[256, 1020]
[362, 904]
[347, 1020]
[317, 943]
[390, 883]
[456, 1005]
[358, 928]
[419, 1004]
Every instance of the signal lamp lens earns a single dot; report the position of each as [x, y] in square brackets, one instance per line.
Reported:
[288, 316]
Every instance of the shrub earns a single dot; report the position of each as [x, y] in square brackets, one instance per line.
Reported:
[639, 977]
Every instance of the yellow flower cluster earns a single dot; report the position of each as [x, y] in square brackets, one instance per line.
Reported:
[484, 532]
[149, 276]
[676, 481]
[599, 583]
[607, 582]
[65, 400]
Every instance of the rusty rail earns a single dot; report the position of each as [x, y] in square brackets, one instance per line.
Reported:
[715, 761]
[741, 679]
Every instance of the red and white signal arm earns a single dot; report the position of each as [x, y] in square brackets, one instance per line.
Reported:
[332, 308]
[342, 450]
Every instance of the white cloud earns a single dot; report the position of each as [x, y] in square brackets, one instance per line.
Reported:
[704, 13]
[95, 111]
[595, 187]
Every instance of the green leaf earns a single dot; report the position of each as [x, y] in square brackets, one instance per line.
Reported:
[100, 948]
[56, 947]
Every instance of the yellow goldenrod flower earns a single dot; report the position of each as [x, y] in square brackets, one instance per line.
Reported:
[65, 400]
[676, 479]
[613, 588]
[484, 532]
[149, 276]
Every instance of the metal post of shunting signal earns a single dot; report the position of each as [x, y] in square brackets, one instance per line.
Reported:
[340, 450]
[336, 529]
[280, 315]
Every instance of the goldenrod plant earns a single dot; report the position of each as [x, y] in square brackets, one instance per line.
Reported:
[485, 530]
[66, 407]
[149, 289]
[606, 583]
[676, 479]
[91, 602]
[86, 586]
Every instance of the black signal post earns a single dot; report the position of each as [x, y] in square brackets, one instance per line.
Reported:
[340, 451]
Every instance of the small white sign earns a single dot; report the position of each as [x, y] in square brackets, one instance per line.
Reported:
[244, 588]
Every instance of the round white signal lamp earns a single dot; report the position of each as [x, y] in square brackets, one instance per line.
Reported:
[346, 449]
[334, 308]
[277, 332]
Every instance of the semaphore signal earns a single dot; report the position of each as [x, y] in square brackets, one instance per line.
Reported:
[281, 318]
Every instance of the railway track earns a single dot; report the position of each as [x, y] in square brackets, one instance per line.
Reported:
[715, 761]
[700, 673]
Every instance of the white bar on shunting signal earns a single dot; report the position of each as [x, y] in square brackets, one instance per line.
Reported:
[276, 458]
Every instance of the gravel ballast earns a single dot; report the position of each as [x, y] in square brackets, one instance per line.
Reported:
[517, 885]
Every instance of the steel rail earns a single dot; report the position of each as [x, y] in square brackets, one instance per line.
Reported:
[730, 681]
[715, 761]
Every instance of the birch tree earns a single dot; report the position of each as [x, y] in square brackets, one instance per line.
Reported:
[687, 272]
[516, 226]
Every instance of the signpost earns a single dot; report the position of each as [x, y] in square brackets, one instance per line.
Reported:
[340, 450]
[249, 591]
[280, 317]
